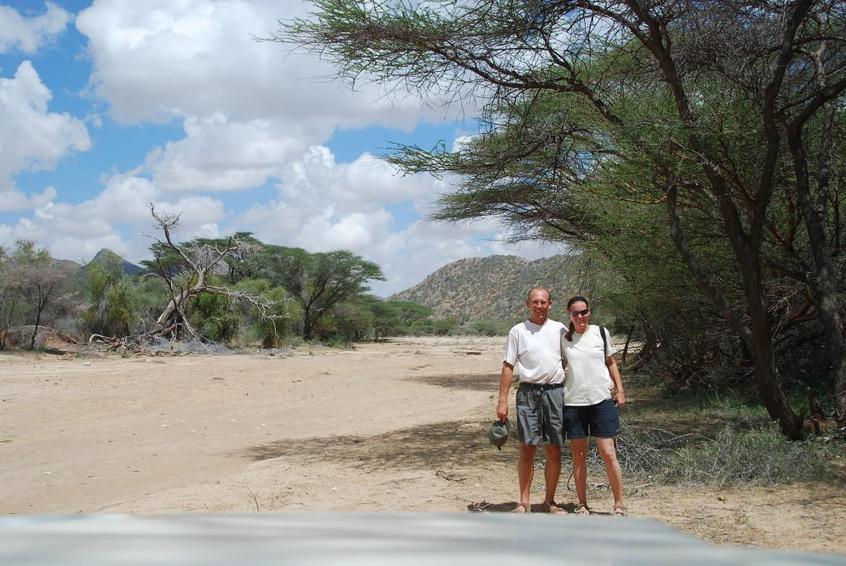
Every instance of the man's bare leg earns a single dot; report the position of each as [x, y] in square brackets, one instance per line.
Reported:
[525, 472]
[578, 448]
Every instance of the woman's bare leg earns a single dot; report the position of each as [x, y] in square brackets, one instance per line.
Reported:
[612, 468]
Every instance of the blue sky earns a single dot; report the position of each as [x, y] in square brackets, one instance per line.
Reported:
[112, 104]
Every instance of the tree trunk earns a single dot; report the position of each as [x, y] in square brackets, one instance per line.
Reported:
[39, 308]
[35, 331]
[828, 299]
[308, 331]
[766, 373]
[626, 347]
[173, 315]
[758, 334]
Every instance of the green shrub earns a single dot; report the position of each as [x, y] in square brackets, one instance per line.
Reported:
[760, 457]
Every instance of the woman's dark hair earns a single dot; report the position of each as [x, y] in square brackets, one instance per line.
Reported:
[576, 299]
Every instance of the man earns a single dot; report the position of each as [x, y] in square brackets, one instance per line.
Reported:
[534, 347]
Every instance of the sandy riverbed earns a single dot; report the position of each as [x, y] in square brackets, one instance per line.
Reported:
[391, 426]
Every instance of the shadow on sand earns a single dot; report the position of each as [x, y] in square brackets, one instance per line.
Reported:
[441, 446]
[473, 382]
[508, 507]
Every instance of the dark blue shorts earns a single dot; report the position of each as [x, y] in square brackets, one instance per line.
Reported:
[600, 420]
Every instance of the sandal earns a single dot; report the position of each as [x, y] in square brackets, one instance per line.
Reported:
[553, 508]
[582, 509]
[620, 511]
[521, 508]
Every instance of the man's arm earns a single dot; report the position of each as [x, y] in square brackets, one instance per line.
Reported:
[618, 393]
[504, 386]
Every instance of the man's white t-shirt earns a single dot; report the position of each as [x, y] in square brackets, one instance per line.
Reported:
[588, 381]
[535, 351]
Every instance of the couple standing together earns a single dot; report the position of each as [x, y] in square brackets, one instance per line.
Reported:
[553, 403]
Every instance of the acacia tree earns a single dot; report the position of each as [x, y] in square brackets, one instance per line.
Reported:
[319, 281]
[113, 308]
[9, 295]
[742, 91]
[32, 284]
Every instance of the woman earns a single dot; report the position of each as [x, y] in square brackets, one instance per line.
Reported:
[593, 390]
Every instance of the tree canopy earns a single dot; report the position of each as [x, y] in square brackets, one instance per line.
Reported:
[703, 132]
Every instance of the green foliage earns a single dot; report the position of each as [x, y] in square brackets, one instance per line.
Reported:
[113, 309]
[714, 440]
[487, 328]
[149, 294]
[444, 326]
[248, 302]
[27, 253]
[215, 316]
[759, 456]
[120, 306]
[736, 454]
[274, 329]
[33, 289]
[319, 281]
[678, 145]
[353, 321]
[314, 294]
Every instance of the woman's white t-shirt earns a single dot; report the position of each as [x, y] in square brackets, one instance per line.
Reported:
[587, 381]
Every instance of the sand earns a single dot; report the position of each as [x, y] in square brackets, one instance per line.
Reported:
[393, 426]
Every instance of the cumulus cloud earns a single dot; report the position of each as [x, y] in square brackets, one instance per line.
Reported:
[252, 113]
[30, 34]
[249, 108]
[32, 137]
[221, 154]
[162, 58]
[324, 205]
[13, 199]
[367, 180]
[118, 218]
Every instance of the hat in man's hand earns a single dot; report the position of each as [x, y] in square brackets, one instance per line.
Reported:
[498, 433]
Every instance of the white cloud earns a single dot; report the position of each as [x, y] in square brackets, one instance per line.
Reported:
[219, 154]
[249, 108]
[13, 199]
[161, 59]
[79, 231]
[252, 113]
[30, 34]
[324, 205]
[32, 137]
[367, 180]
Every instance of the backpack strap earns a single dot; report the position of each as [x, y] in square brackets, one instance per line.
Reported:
[602, 332]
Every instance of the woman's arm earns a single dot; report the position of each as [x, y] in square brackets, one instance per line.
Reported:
[618, 393]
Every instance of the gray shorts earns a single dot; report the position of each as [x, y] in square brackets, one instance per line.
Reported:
[540, 411]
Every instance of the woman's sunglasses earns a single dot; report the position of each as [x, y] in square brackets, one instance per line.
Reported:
[584, 312]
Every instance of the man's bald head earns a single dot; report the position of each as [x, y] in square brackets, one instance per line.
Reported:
[538, 301]
[536, 290]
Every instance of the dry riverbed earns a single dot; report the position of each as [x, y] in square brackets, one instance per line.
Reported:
[395, 426]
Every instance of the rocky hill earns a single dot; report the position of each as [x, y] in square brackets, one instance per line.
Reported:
[105, 256]
[490, 288]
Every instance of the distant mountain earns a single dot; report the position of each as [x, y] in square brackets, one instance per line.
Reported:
[68, 266]
[108, 256]
[491, 288]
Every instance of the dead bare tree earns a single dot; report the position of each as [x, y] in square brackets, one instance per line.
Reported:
[186, 271]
